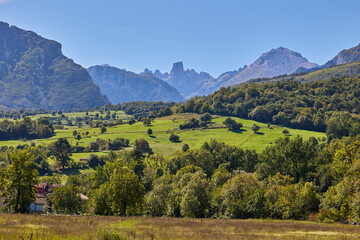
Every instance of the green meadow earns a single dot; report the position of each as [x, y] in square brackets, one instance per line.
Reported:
[164, 127]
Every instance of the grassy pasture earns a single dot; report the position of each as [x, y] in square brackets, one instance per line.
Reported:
[163, 127]
[104, 227]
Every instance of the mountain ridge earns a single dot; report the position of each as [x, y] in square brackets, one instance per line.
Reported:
[125, 86]
[344, 56]
[35, 74]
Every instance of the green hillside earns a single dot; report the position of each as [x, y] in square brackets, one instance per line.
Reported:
[163, 127]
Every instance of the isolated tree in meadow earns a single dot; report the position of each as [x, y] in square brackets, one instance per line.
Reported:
[174, 138]
[285, 132]
[149, 131]
[232, 124]
[75, 133]
[103, 129]
[185, 147]
[255, 128]
[61, 149]
[78, 137]
[18, 180]
[146, 121]
[206, 117]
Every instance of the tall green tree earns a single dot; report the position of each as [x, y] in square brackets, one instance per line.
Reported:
[126, 192]
[18, 180]
[66, 199]
[61, 149]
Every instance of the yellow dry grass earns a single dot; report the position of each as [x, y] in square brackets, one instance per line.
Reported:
[93, 227]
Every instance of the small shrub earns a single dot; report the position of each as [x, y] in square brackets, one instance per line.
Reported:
[174, 138]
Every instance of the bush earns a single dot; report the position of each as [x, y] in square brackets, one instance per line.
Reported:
[192, 123]
[232, 124]
[255, 128]
[149, 131]
[174, 138]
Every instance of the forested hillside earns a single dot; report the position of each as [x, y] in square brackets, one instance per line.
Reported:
[331, 105]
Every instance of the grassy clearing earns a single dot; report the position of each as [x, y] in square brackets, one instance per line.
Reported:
[163, 127]
[98, 227]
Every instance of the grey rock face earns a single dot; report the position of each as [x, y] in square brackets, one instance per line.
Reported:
[35, 74]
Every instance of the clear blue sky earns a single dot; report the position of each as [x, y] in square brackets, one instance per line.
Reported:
[207, 35]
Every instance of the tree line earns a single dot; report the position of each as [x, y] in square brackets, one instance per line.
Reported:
[292, 178]
[25, 129]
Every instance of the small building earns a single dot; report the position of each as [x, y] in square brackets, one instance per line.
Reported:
[39, 205]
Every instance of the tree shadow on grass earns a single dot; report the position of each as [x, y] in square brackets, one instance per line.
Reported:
[238, 131]
[260, 133]
[152, 136]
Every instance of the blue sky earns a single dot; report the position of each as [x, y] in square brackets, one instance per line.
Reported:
[207, 35]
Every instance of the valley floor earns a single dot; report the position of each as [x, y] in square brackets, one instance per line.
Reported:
[100, 227]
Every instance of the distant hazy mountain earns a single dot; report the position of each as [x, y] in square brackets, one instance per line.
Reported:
[343, 57]
[187, 82]
[349, 69]
[35, 74]
[124, 86]
[273, 63]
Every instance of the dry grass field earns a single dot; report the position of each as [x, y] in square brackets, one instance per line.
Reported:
[100, 227]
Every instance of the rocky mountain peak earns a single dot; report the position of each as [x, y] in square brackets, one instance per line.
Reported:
[178, 68]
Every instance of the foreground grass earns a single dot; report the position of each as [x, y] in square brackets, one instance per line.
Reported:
[91, 227]
[163, 127]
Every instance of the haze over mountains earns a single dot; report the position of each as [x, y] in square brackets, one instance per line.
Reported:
[343, 57]
[124, 86]
[273, 63]
[35, 74]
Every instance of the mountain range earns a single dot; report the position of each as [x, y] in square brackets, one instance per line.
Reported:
[273, 63]
[124, 86]
[35, 74]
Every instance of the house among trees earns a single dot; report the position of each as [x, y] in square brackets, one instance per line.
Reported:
[40, 203]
